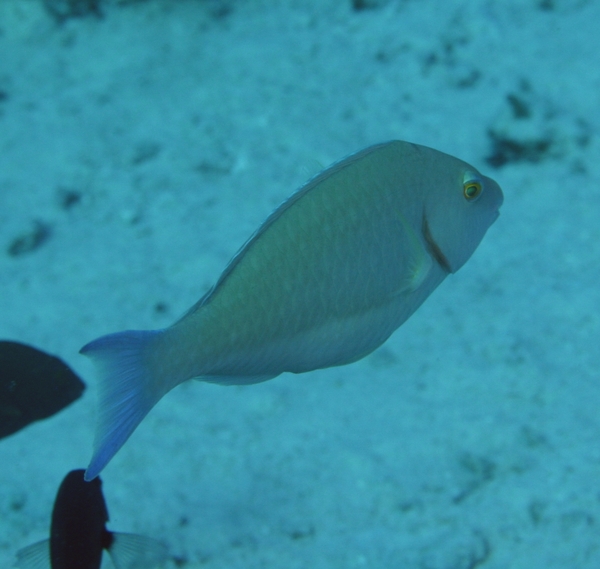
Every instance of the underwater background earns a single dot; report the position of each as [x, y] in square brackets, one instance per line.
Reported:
[142, 142]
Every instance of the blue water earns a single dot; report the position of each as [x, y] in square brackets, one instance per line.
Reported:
[153, 141]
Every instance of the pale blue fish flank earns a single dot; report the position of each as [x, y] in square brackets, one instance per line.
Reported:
[324, 281]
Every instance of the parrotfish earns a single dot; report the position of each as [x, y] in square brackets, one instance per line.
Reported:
[78, 534]
[324, 281]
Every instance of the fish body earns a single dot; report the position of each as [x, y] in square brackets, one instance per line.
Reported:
[324, 281]
[78, 534]
[34, 385]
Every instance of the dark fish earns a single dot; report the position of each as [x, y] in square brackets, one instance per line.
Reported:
[33, 386]
[78, 534]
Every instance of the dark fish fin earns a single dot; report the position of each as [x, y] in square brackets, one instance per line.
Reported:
[131, 551]
[34, 556]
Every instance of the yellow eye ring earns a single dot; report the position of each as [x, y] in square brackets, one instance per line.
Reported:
[472, 190]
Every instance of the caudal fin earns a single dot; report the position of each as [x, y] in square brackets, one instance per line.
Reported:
[126, 390]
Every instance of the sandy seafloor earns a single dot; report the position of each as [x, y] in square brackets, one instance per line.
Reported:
[472, 437]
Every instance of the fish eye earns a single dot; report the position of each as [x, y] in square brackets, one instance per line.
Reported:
[472, 189]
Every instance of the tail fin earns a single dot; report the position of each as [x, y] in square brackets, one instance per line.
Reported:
[127, 390]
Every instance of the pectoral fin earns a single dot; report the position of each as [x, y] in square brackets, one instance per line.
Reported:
[418, 260]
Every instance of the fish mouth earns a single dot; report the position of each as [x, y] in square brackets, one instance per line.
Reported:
[434, 248]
